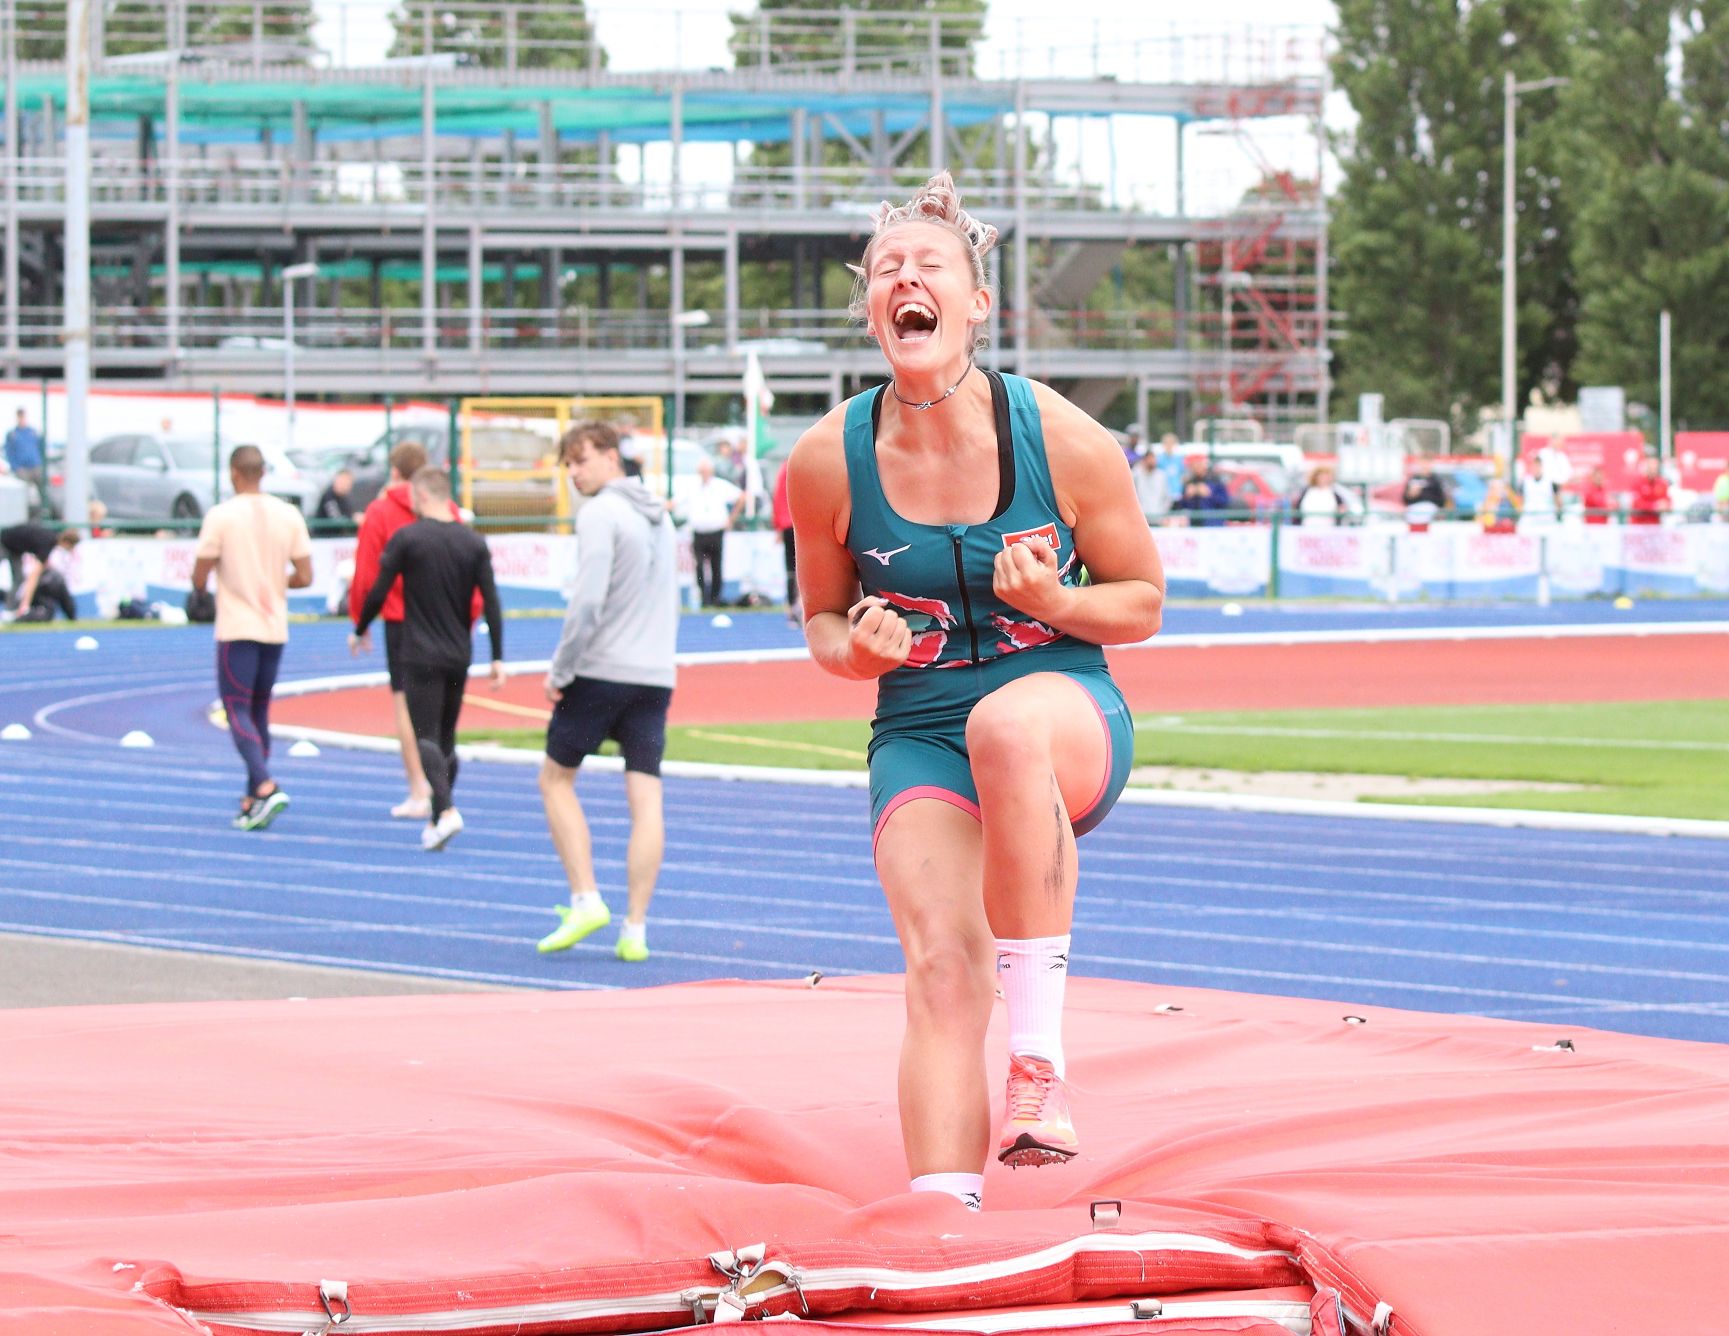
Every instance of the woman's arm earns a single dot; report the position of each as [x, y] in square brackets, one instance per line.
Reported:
[848, 636]
[1124, 601]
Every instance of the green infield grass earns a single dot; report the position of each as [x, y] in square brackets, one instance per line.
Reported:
[1652, 758]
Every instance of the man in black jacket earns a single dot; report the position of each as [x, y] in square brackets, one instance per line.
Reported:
[37, 588]
[441, 563]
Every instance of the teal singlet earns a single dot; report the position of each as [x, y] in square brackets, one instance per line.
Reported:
[966, 640]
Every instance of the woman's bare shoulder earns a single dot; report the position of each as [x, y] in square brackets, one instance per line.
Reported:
[1071, 432]
[817, 465]
[825, 436]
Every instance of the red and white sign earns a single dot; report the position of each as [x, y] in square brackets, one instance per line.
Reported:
[1048, 532]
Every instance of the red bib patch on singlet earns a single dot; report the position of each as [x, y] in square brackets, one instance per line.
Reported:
[1048, 532]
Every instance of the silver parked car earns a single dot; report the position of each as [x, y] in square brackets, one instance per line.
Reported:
[140, 476]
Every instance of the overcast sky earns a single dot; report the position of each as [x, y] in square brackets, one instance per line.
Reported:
[637, 36]
[1120, 37]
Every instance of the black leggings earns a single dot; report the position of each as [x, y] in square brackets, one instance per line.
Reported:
[705, 549]
[434, 697]
[245, 676]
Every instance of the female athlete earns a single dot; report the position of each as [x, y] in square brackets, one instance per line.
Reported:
[971, 540]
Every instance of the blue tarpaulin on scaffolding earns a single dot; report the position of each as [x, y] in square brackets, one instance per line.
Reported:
[238, 111]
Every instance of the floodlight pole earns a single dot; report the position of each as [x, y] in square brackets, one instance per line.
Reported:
[1665, 386]
[309, 269]
[1509, 250]
[75, 500]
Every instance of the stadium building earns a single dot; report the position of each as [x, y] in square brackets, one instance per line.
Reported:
[494, 209]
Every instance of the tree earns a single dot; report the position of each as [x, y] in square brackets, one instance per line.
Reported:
[133, 26]
[1651, 171]
[529, 36]
[1416, 234]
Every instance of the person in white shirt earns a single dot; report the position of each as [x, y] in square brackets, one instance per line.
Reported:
[1152, 488]
[1539, 501]
[711, 509]
[1322, 503]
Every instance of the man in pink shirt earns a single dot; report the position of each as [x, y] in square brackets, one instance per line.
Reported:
[259, 549]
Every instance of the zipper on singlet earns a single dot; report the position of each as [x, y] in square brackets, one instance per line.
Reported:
[966, 602]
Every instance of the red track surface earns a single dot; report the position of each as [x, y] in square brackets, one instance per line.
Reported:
[1213, 677]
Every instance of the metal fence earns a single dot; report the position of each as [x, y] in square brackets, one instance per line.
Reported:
[847, 43]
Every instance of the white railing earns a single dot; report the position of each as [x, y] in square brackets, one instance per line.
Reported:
[789, 331]
[230, 178]
[1089, 39]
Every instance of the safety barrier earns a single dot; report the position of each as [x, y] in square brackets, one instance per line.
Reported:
[1447, 562]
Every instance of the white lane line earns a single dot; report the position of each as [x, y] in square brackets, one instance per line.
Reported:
[1450, 903]
[1408, 634]
[44, 716]
[1559, 855]
[295, 957]
[1522, 818]
[1356, 983]
[1312, 980]
[868, 903]
[1423, 927]
[301, 846]
[1392, 862]
[1321, 946]
[1187, 724]
[1506, 877]
[453, 933]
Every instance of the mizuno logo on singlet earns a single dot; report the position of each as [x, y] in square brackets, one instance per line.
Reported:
[885, 557]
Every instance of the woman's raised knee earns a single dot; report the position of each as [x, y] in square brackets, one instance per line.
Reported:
[1006, 733]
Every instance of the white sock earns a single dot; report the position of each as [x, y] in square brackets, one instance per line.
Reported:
[968, 1189]
[587, 900]
[1032, 972]
[639, 931]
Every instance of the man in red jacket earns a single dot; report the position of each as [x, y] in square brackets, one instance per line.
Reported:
[389, 511]
[1650, 494]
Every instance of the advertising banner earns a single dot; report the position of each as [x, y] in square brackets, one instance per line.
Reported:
[1235, 560]
[1453, 561]
[1328, 563]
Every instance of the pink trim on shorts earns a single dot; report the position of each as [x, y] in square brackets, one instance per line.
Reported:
[905, 796]
[1105, 779]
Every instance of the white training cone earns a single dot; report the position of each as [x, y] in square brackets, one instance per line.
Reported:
[138, 738]
[304, 747]
[84, 642]
[14, 733]
[721, 621]
[1232, 609]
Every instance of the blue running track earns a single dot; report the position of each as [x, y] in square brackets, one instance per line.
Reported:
[133, 846]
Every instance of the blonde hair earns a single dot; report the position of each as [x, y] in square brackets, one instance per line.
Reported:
[937, 201]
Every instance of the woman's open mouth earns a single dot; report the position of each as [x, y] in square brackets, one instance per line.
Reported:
[914, 322]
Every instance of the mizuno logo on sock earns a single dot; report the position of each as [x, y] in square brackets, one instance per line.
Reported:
[1061, 962]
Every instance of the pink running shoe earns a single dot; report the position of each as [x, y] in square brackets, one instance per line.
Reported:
[1039, 1130]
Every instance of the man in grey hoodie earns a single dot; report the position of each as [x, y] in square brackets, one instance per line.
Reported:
[611, 677]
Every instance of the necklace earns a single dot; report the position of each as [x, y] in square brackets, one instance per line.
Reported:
[931, 403]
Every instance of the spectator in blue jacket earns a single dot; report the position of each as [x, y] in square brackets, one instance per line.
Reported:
[24, 457]
[1204, 493]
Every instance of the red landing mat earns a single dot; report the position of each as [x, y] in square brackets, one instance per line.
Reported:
[653, 1159]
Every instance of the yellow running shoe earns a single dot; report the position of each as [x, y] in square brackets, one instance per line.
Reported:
[1039, 1130]
[632, 947]
[577, 924]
